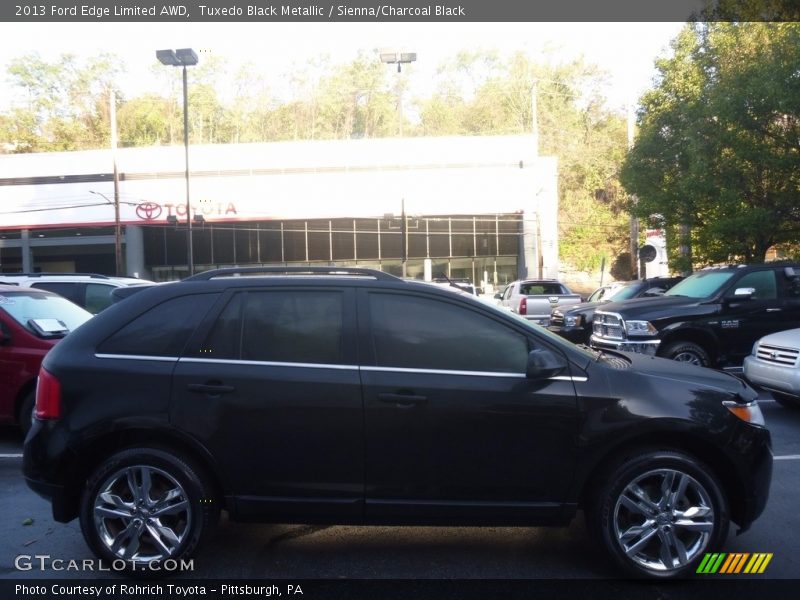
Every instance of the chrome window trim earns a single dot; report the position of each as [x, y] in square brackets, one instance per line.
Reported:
[444, 372]
[228, 361]
[137, 357]
[267, 363]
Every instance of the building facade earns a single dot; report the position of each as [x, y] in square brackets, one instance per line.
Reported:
[477, 207]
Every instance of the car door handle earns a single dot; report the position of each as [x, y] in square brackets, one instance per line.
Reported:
[774, 309]
[210, 388]
[402, 399]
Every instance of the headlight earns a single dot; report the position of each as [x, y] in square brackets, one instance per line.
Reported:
[573, 320]
[749, 413]
[640, 328]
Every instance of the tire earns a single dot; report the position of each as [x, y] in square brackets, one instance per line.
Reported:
[122, 521]
[646, 532]
[687, 352]
[25, 416]
[786, 400]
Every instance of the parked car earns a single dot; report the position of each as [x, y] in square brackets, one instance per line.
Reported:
[575, 322]
[87, 290]
[31, 322]
[775, 365]
[343, 395]
[535, 299]
[711, 318]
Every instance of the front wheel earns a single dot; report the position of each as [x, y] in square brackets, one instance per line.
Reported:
[687, 352]
[143, 506]
[658, 513]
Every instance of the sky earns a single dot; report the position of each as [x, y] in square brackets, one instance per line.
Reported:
[625, 50]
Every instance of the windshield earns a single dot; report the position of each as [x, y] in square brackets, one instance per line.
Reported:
[25, 307]
[623, 292]
[700, 285]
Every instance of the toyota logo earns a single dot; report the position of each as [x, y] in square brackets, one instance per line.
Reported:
[148, 210]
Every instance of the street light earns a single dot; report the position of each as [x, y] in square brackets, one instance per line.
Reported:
[399, 58]
[183, 57]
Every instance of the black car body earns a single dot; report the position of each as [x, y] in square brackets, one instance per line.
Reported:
[711, 318]
[350, 396]
[575, 322]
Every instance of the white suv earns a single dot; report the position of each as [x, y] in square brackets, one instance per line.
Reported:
[87, 290]
[775, 365]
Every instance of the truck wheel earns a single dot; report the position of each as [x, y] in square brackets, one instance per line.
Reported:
[658, 513]
[143, 506]
[687, 352]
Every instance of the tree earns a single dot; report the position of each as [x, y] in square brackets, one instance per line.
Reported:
[718, 148]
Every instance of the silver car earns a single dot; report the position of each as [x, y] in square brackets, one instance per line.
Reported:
[775, 365]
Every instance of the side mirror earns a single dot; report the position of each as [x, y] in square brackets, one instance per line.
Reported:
[543, 364]
[5, 335]
[744, 293]
[498, 296]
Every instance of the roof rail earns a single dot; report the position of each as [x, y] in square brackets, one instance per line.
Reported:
[208, 275]
[51, 274]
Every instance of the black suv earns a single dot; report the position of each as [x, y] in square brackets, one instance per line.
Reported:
[712, 318]
[338, 395]
[575, 322]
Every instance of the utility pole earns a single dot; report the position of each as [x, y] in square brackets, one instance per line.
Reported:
[535, 114]
[117, 226]
[634, 220]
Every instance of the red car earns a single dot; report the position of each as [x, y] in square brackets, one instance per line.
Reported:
[31, 322]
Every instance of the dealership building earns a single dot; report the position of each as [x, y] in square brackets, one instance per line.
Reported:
[484, 208]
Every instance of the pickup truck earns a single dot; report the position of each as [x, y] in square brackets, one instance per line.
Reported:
[535, 299]
[712, 318]
[575, 322]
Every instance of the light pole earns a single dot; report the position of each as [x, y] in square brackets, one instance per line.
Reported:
[117, 227]
[399, 58]
[183, 57]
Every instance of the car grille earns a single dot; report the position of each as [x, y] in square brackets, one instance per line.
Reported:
[608, 326]
[776, 355]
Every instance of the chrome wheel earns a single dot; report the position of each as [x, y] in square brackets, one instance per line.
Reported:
[689, 357]
[142, 514]
[663, 520]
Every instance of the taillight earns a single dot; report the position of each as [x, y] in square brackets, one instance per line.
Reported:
[48, 396]
[523, 306]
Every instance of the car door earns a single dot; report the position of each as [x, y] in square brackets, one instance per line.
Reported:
[453, 426]
[743, 321]
[272, 390]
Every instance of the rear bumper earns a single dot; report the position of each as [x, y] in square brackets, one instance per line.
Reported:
[41, 473]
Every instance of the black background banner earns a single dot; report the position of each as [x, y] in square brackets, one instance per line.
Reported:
[545, 589]
[396, 10]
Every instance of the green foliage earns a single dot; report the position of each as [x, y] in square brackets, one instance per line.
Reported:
[719, 140]
[476, 93]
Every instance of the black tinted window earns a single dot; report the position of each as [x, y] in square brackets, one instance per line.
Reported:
[280, 326]
[414, 332]
[163, 330]
[68, 290]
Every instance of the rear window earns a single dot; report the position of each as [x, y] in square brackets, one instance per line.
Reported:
[163, 330]
[26, 308]
[542, 289]
[280, 326]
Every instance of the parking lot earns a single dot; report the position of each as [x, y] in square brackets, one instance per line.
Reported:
[340, 552]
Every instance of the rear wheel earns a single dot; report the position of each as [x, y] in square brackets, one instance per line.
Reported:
[144, 506]
[658, 513]
[687, 352]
